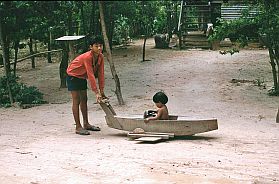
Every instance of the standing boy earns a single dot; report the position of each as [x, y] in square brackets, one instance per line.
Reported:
[87, 66]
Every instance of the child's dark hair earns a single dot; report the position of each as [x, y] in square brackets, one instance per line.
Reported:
[96, 39]
[160, 97]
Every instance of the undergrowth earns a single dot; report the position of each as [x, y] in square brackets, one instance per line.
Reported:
[21, 94]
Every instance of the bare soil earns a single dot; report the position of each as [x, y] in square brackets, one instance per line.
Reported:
[39, 146]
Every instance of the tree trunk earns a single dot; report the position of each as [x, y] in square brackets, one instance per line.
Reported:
[70, 23]
[92, 19]
[276, 58]
[109, 57]
[145, 30]
[16, 53]
[175, 17]
[97, 25]
[83, 21]
[85, 29]
[49, 53]
[110, 23]
[30, 44]
[5, 48]
[274, 72]
[49, 48]
[169, 22]
[63, 66]
[143, 48]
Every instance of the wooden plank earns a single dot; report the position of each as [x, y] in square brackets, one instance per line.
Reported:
[154, 133]
[161, 133]
[148, 135]
[148, 139]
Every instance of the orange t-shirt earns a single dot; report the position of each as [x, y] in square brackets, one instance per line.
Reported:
[82, 67]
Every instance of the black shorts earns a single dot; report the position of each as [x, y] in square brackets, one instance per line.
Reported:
[76, 84]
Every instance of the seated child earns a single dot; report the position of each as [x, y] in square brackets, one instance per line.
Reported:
[160, 99]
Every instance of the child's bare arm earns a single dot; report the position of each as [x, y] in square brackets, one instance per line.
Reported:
[158, 116]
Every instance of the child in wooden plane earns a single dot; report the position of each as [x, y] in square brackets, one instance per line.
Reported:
[160, 99]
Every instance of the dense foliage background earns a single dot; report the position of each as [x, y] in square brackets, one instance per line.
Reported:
[25, 23]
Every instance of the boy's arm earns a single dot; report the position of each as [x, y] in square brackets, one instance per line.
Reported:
[92, 80]
[91, 77]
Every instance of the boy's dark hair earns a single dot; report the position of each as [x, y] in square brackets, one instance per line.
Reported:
[96, 39]
[160, 97]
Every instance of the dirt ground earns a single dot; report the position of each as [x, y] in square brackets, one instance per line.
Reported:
[39, 146]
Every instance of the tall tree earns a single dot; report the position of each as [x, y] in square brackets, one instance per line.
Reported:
[109, 56]
[269, 30]
[5, 57]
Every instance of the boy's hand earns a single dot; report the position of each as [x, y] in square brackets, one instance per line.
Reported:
[98, 97]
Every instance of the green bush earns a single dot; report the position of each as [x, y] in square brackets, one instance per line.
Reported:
[21, 93]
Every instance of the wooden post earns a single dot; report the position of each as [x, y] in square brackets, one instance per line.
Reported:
[49, 46]
[72, 51]
[31, 52]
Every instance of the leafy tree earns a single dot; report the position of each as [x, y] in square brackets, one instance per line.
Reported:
[16, 23]
[269, 31]
[9, 32]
